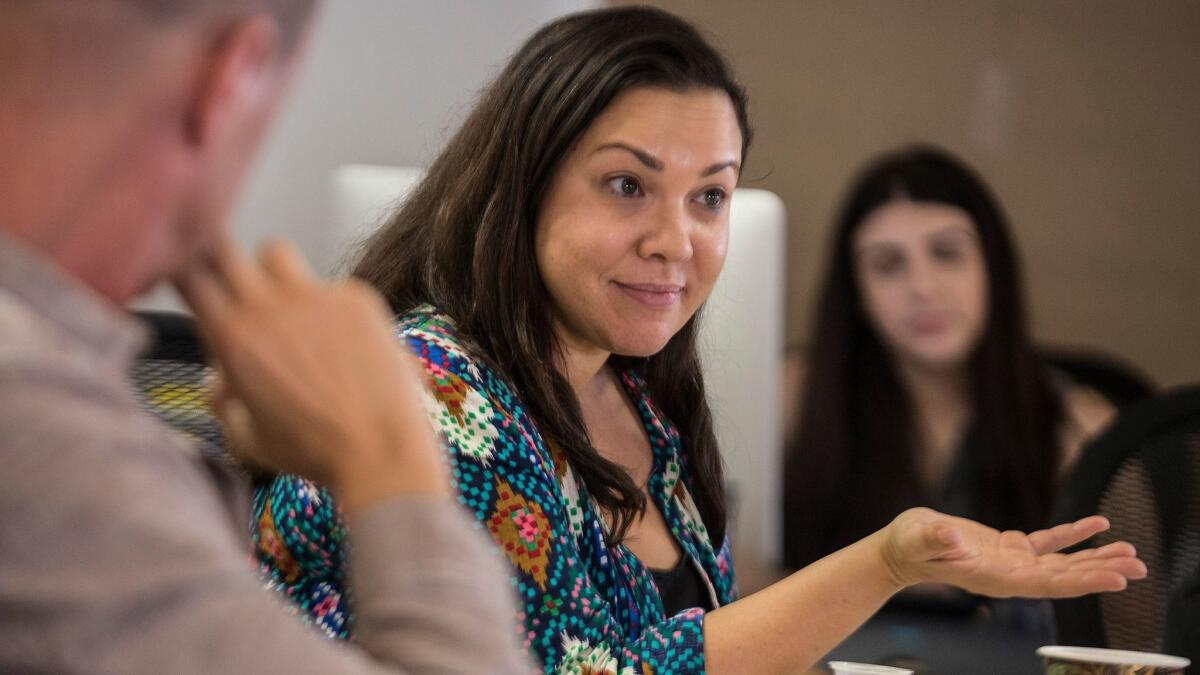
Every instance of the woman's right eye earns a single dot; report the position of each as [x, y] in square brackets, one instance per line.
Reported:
[887, 266]
[625, 186]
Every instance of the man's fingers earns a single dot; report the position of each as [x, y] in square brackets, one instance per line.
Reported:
[284, 262]
[217, 387]
[224, 278]
[203, 293]
[244, 441]
[242, 278]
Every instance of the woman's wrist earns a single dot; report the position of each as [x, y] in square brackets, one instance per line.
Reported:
[894, 566]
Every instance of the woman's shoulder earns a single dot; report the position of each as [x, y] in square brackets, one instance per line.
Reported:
[471, 404]
[428, 325]
[449, 358]
[1088, 408]
[432, 336]
[1086, 413]
[1085, 410]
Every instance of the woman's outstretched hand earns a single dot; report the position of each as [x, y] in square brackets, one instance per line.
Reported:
[922, 545]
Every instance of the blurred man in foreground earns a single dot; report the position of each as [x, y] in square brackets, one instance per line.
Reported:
[125, 130]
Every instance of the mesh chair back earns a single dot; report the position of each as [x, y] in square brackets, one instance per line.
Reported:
[171, 379]
[1143, 474]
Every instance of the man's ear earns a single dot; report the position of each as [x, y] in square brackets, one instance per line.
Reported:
[238, 78]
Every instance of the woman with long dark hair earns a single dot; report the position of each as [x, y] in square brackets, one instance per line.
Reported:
[547, 272]
[922, 386]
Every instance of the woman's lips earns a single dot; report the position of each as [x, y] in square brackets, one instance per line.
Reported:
[930, 324]
[657, 296]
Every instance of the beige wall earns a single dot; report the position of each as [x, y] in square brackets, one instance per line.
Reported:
[1083, 115]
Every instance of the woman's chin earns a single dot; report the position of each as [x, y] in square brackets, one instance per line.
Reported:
[640, 346]
[938, 359]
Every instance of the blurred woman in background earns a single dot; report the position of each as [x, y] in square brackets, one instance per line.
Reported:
[922, 386]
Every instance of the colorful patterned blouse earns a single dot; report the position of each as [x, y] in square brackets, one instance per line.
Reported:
[584, 607]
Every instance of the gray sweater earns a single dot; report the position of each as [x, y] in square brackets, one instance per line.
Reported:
[124, 550]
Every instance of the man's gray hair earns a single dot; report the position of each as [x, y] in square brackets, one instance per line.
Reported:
[59, 46]
[291, 14]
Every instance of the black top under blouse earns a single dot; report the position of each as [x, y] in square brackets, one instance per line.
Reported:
[681, 587]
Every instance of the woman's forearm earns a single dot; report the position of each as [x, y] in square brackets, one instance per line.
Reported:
[787, 626]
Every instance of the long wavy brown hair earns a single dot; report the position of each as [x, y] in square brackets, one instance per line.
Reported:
[464, 239]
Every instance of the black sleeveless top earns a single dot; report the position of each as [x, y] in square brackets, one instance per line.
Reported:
[681, 588]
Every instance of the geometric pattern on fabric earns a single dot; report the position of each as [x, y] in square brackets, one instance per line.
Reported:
[583, 606]
[522, 530]
[300, 543]
[461, 413]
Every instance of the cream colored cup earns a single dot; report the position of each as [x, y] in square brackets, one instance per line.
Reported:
[1093, 661]
[847, 668]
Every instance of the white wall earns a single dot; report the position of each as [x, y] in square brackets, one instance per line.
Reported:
[385, 82]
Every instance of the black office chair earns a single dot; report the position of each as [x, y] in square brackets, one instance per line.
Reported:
[171, 379]
[1143, 474]
[1115, 379]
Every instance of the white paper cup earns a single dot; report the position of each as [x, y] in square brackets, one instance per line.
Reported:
[847, 668]
[1092, 661]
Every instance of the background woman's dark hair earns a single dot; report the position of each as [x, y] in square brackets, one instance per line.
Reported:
[464, 239]
[857, 424]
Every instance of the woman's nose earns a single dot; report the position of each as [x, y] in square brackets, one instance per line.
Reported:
[669, 237]
[922, 278]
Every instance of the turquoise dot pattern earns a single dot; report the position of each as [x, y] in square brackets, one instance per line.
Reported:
[582, 606]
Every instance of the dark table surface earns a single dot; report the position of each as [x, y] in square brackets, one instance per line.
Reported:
[933, 643]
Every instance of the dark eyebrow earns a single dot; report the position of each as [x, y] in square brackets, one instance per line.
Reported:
[955, 228]
[656, 164]
[721, 166]
[888, 246]
[644, 157]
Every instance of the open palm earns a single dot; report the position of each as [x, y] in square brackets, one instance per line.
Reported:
[927, 546]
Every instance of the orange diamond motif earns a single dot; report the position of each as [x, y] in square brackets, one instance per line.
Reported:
[271, 545]
[522, 530]
[451, 392]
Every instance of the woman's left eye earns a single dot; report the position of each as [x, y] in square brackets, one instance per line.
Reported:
[713, 198]
[947, 253]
